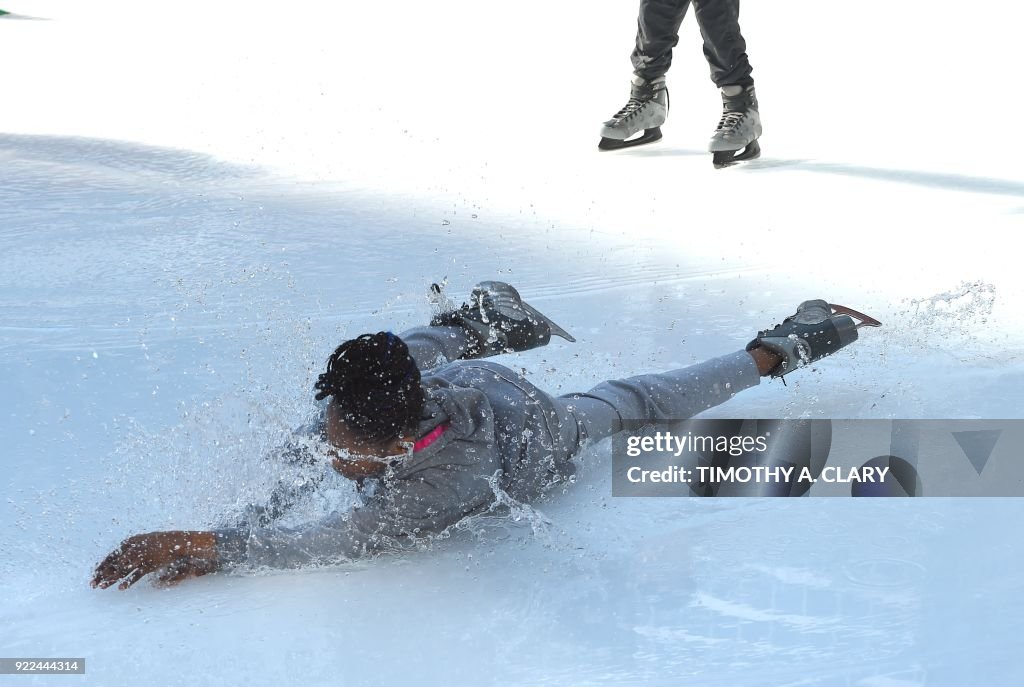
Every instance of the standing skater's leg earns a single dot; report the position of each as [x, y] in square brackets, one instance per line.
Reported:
[724, 47]
[735, 138]
[657, 33]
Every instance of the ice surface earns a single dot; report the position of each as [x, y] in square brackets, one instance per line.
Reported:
[198, 203]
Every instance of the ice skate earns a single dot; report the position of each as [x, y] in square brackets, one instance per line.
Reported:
[817, 329]
[735, 138]
[640, 120]
[500, 321]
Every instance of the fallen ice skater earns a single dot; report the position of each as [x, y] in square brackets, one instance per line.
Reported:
[437, 445]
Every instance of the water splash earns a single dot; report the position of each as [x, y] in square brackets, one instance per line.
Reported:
[959, 310]
[957, 322]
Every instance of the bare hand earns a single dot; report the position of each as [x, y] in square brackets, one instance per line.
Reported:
[184, 569]
[145, 553]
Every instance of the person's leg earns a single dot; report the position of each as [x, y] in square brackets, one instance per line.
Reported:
[583, 418]
[724, 47]
[657, 33]
[735, 137]
[674, 395]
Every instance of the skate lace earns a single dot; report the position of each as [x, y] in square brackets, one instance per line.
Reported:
[730, 120]
[630, 108]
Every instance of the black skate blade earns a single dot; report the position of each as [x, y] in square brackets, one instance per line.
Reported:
[726, 158]
[648, 136]
[555, 329]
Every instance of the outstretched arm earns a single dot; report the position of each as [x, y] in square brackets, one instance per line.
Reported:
[178, 555]
[394, 520]
[416, 509]
[342, 536]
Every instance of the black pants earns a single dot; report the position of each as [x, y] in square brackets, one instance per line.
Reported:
[724, 47]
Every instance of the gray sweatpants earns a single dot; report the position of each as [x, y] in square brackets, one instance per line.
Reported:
[674, 395]
[724, 48]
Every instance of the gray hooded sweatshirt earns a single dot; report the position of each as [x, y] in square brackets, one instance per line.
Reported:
[493, 430]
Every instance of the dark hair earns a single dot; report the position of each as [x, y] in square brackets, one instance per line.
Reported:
[376, 385]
